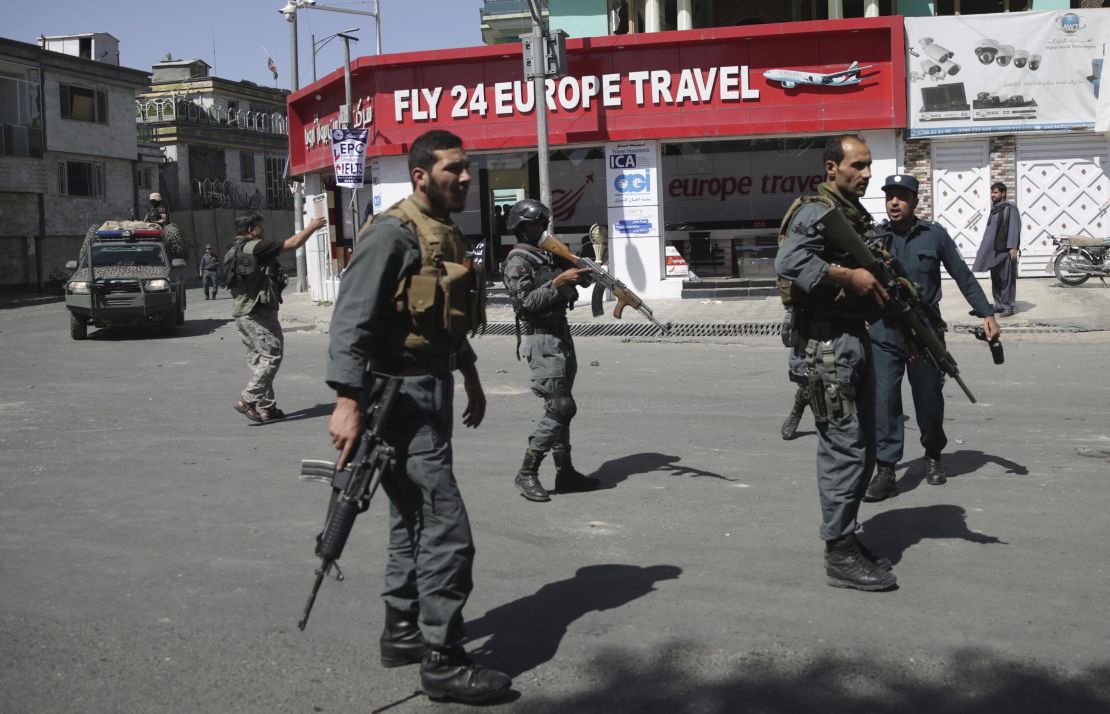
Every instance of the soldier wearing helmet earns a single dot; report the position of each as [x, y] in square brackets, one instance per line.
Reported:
[542, 291]
[157, 213]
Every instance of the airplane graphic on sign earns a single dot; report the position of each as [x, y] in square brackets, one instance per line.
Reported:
[790, 78]
[565, 202]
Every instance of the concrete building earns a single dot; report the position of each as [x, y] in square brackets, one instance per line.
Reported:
[225, 145]
[68, 151]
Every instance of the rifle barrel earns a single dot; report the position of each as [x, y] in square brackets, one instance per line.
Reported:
[312, 597]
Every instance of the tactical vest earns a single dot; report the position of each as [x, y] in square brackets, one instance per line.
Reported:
[544, 270]
[824, 300]
[263, 284]
[438, 305]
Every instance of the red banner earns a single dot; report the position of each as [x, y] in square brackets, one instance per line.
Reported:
[772, 80]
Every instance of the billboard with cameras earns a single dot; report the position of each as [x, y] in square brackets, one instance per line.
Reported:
[1005, 72]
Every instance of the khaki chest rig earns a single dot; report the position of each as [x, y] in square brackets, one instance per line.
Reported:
[444, 300]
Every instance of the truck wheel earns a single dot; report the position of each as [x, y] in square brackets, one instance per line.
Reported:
[168, 326]
[78, 327]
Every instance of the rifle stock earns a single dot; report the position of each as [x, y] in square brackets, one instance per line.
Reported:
[625, 296]
[905, 307]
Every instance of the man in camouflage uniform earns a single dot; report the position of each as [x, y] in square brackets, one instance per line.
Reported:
[157, 213]
[400, 266]
[832, 297]
[541, 293]
[209, 272]
[256, 298]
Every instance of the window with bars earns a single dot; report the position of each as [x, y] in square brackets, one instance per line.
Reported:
[81, 178]
[83, 104]
[277, 193]
[144, 177]
[246, 167]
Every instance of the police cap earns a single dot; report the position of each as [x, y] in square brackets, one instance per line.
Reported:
[902, 180]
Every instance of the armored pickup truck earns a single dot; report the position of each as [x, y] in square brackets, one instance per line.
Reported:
[126, 275]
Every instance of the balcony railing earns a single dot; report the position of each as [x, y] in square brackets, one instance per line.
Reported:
[158, 110]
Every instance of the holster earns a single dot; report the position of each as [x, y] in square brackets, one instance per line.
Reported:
[828, 398]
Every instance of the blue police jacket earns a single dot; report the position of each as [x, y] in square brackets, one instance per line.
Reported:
[922, 250]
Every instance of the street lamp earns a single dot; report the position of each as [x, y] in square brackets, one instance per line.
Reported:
[289, 10]
[318, 45]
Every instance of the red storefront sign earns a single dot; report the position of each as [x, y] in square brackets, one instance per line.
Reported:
[671, 85]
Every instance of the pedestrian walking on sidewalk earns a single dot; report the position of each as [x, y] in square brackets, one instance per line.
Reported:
[541, 292]
[1000, 249]
[832, 296]
[922, 247]
[255, 280]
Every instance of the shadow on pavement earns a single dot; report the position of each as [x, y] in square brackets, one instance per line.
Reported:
[969, 681]
[191, 328]
[526, 633]
[891, 533]
[9, 302]
[319, 410]
[614, 471]
[957, 463]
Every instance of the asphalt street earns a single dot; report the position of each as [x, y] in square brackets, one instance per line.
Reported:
[156, 547]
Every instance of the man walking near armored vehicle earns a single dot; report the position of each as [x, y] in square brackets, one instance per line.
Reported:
[1000, 249]
[921, 246]
[831, 298]
[410, 258]
[210, 272]
[255, 279]
[541, 292]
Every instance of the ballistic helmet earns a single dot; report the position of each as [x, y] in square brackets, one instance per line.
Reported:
[527, 211]
[155, 196]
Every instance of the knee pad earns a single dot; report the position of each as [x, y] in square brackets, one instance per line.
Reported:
[562, 409]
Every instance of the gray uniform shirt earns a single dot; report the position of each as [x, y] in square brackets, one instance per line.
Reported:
[359, 333]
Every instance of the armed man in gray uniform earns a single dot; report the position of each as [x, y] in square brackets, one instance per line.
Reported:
[541, 292]
[831, 298]
[921, 246]
[389, 317]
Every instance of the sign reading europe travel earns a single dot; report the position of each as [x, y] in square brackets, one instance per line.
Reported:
[1016, 71]
[348, 153]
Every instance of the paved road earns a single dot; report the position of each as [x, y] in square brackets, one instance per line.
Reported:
[155, 547]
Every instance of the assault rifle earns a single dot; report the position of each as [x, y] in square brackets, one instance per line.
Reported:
[602, 281]
[354, 485]
[905, 308]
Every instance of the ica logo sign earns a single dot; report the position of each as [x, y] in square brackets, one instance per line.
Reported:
[633, 182]
[622, 161]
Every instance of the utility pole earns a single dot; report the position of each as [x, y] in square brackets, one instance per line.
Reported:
[539, 37]
[347, 125]
[298, 197]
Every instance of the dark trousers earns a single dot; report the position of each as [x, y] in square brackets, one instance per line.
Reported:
[431, 550]
[1004, 284]
[210, 281]
[926, 386]
[553, 366]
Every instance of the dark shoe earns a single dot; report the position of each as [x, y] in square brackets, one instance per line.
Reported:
[247, 410]
[880, 560]
[567, 478]
[847, 567]
[790, 426]
[882, 485]
[450, 675]
[935, 475]
[401, 641]
[1004, 313]
[206, 296]
[271, 414]
[528, 480]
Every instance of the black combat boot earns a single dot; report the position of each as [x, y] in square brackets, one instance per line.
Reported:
[567, 478]
[448, 674]
[528, 479]
[401, 641]
[935, 474]
[882, 484]
[790, 426]
[847, 567]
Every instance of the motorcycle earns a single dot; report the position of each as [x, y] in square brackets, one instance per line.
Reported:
[1079, 258]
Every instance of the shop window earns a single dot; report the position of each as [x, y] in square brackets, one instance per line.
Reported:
[81, 178]
[246, 167]
[20, 111]
[82, 104]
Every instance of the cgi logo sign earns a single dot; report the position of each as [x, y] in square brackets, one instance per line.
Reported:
[622, 161]
[633, 182]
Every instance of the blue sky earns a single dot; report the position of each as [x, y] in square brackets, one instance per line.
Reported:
[148, 29]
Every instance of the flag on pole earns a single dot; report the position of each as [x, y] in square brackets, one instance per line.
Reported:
[270, 63]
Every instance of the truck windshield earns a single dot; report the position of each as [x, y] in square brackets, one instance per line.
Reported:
[146, 256]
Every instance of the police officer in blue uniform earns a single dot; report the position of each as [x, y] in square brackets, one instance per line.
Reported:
[922, 247]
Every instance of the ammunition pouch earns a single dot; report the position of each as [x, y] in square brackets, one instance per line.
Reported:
[828, 398]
